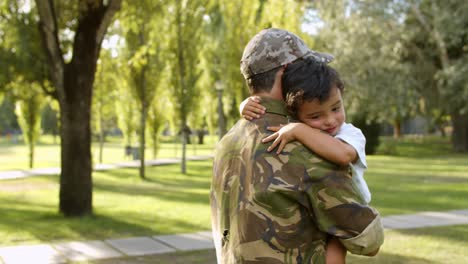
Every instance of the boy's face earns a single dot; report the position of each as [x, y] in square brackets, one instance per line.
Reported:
[327, 116]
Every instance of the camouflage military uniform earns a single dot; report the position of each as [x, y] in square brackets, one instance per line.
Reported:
[269, 208]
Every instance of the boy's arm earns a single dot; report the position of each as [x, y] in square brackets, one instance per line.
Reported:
[319, 142]
[251, 108]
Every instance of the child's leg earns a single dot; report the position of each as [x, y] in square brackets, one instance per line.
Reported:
[336, 252]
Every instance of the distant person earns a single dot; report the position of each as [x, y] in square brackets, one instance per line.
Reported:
[314, 97]
[282, 208]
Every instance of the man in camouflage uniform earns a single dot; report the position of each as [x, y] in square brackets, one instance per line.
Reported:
[269, 208]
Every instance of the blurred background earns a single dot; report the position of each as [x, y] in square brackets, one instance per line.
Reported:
[84, 83]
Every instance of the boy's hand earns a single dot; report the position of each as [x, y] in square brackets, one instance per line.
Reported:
[282, 136]
[251, 108]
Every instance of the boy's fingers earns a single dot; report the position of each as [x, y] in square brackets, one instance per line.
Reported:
[251, 114]
[273, 145]
[247, 117]
[254, 109]
[257, 108]
[273, 128]
[281, 147]
[269, 138]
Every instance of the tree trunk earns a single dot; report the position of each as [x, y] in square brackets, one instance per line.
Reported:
[74, 83]
[75, 179]
[101, 135]
[31, 155]
[460, 132]
[201, 136]
[144, 111]
[396, 129]
[183, 165]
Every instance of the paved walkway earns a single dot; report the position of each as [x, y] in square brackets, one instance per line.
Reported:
[138, 246]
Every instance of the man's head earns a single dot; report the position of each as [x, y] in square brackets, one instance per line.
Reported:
[313, 95]
[268, 51]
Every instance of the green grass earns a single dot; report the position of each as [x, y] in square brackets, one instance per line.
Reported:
[421, 175]
[444, 245]
[14, 156]
[168, 202]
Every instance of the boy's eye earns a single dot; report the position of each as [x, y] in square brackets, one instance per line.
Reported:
[335, 109]
[314, 117]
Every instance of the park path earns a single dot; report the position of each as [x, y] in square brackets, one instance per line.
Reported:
[83, 251]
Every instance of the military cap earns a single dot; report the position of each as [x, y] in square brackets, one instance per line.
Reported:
[272, 48]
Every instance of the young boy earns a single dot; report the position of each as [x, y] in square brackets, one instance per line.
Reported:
[313, 97]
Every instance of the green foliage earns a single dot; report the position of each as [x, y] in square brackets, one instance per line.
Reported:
[104, 97]
[28, 109]
[8, 119]
[370, 129]
[50, 120]
[127, 113]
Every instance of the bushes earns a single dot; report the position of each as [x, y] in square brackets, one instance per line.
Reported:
[371, 130]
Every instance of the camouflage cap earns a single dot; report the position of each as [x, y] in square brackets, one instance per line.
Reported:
[272, 48]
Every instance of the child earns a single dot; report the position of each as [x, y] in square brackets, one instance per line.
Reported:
[313, 97]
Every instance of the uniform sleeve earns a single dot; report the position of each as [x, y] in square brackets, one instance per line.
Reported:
[354, 137]
[338, 208]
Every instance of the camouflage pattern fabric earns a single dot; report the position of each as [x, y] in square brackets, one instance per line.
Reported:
[269, 208]
[272, 48]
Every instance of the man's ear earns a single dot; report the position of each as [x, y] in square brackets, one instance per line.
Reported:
[277, 90]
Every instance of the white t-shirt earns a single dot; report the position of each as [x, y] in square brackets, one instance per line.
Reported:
[354, 137]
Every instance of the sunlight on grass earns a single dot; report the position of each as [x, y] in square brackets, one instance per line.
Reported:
[426, 245]
[47, 152]
[167, 202]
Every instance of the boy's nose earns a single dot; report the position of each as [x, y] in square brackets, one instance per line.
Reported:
[329, 120]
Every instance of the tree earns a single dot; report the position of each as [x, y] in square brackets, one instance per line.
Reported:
[26, 72]
[50, 119]
[365, 38]
[186, 39]
[28, 109]
[73, 82]
[104, 114]
[443, 27]
[155, 121]
[124, 105]
[143, 38]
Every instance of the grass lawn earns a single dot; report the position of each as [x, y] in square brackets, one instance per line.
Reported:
[419, 175]
[168, 202]
[14, 156]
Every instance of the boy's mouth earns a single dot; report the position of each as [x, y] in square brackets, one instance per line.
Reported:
[330, 130]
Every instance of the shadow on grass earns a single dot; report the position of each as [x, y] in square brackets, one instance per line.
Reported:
[40, 223]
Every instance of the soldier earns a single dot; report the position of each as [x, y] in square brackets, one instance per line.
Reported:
[269, 208]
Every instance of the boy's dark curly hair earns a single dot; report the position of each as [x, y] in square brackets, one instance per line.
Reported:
[307, 80]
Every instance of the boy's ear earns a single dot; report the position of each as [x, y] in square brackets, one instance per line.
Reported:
[277, 90]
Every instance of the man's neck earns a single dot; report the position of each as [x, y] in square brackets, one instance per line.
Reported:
[272, 95]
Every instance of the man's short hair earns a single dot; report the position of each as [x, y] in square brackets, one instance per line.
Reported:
[307, 80]
[262, 82]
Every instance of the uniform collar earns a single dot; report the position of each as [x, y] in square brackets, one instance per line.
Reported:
[274, 106]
